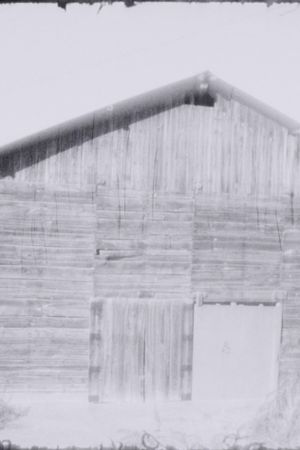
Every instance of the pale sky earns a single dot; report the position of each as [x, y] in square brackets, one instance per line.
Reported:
[56, 64]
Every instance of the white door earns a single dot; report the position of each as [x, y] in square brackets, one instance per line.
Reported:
[235, 353]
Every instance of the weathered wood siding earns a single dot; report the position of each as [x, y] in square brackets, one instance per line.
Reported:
[194, 203]
[247, 250]
[46, 282]
[225, 149]
[238, 247]
[290, 283]
[144, 245]
[141, 350]
[141, 341]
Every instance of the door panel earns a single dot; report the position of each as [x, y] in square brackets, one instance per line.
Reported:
[140, 350]
[235, 351]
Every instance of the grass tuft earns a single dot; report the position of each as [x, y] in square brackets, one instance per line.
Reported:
[9, 413]
[278, 421]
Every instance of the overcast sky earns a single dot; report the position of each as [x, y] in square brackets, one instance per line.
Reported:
[56, 64]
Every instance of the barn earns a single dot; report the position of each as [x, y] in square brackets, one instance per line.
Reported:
[150, 250]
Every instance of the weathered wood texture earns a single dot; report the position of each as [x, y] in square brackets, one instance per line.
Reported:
[140, 352]
[144, 245]
[237, 249]
[194, 202]
[248, 250]
[46, 281]
[228, 148]
[221, 249]
[142, 327]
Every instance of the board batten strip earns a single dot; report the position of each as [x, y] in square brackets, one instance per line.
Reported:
[187, 351]
[95, 369]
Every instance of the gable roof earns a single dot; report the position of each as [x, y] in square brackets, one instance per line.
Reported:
[200, 89]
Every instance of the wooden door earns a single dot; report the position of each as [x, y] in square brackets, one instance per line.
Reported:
[140, 350]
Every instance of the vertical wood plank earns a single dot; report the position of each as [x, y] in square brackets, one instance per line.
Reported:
[187, 351]
[95, 369]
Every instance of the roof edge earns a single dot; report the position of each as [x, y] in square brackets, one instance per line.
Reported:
[218, 86]
[172, 94]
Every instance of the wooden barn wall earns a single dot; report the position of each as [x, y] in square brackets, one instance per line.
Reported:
[290, 283]
[237, 249]
[46, 282]
[193, 203]
[142, 318]
[248, 250]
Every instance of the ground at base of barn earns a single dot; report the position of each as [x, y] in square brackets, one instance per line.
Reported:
[66, 420]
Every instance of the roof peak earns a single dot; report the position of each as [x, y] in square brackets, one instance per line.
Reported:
[203, 87]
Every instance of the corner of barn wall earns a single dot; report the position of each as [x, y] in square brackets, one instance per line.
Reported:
[47, 253]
